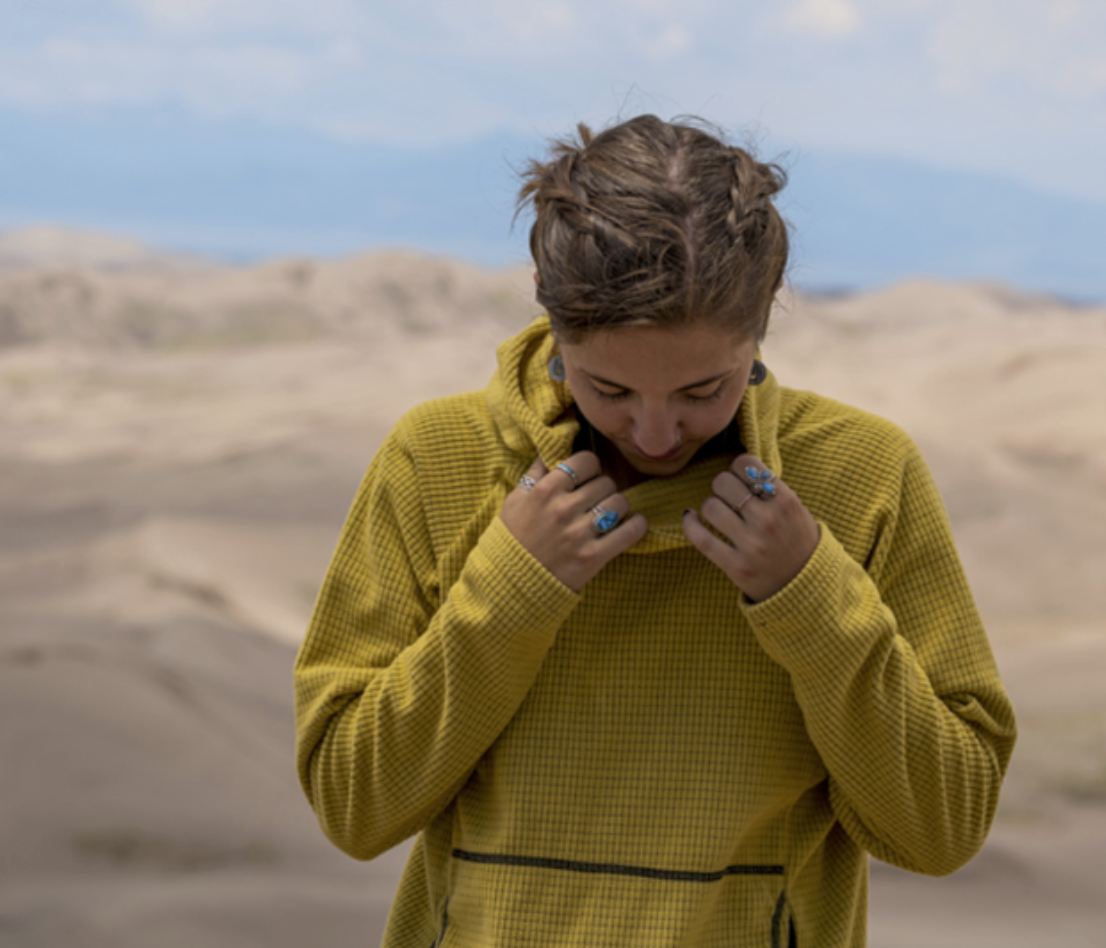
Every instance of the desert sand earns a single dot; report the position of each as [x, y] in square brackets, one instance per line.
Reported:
[179, 443]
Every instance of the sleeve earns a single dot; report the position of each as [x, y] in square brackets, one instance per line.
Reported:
[399, 690]
[897, 684]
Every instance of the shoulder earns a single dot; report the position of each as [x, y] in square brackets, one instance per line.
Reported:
[816, 431]
[446, 456]
[856, 471]
[444, 421]
[457, 427]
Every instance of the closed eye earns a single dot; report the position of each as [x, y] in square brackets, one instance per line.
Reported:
[613, 396]
[708, 397]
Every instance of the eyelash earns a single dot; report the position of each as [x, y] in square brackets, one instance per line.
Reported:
[699, 399]
[613, 396]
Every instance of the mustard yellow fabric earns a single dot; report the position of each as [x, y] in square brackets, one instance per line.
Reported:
[654, 762]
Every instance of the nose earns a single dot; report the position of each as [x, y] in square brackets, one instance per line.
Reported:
[656, 432]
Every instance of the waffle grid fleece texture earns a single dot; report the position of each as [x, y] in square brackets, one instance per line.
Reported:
[655, 762]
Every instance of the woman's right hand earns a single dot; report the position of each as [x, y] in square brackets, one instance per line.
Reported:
[554, 519]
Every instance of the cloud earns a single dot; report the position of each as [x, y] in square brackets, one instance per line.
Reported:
[257, 17]
[670, 41]
[987, 83]
[831, 18]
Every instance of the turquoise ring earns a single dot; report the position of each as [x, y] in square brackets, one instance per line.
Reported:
[603, 520]
[762, 484]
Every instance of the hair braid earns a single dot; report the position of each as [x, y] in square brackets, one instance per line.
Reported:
[654, 223]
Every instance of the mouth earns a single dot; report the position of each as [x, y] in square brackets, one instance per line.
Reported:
[667, 456]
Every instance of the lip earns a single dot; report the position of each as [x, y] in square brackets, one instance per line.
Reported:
[667, 456]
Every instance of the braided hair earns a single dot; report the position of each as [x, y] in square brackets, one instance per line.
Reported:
[653, 223]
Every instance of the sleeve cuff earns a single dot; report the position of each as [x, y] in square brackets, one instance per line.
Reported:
[526, 581]
[824, 614]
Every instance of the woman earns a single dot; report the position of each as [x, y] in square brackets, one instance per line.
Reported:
[646, 648]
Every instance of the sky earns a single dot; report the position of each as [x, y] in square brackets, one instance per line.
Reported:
[1011, 89]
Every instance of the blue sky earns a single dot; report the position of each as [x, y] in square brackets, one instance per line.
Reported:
[1012, 87]
[1012, 90]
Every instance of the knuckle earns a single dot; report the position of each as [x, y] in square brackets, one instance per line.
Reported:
[589, 557]
[543, 488]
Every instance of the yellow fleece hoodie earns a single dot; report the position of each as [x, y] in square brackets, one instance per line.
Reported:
[655, 762]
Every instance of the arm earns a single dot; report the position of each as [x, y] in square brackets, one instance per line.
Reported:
[897, 684]
[888, 661]
[400, 689]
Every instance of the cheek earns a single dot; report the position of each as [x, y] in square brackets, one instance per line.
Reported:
[607, 417]
[719, 417]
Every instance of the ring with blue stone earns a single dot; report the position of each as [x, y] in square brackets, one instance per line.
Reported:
[603, 520]
[762, 484]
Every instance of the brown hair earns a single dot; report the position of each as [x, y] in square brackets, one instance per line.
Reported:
[653, 223]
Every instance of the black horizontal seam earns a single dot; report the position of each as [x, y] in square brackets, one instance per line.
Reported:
[614, 869]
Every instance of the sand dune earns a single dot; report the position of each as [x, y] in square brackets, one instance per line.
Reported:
[177, 452]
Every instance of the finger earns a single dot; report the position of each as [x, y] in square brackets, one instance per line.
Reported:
[754, 473]
[534, 473]
[624, 536]
[577, 469]
[611, 504]
[734, 491]
[720, 515]
[717, 551]
[596, 491]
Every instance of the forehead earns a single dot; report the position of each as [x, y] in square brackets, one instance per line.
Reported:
[649, 357]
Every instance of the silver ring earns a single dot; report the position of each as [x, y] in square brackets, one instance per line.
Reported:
[571, 473]
[526, 482]
[762, 484]
[603, 520]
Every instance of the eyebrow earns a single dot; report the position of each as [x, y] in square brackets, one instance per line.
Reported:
[686, 388]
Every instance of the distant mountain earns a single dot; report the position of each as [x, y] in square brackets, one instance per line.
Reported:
[243, 191]
[862, 221]
[163, 306]
[52, 246]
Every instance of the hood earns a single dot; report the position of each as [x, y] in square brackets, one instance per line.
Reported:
[533, 414]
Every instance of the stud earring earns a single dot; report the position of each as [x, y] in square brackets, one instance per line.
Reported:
[759, 373]
[557, 369]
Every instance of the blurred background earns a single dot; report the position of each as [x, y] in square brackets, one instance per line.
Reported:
[239, 238]
[961, 140]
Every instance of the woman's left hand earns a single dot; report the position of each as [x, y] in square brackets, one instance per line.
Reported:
[771, 534]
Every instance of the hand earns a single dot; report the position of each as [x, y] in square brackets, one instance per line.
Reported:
[771, 535]
[553, 519]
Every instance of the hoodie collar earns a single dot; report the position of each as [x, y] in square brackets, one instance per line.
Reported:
[532, 412]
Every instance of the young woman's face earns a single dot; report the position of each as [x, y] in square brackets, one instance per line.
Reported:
[659, 394]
